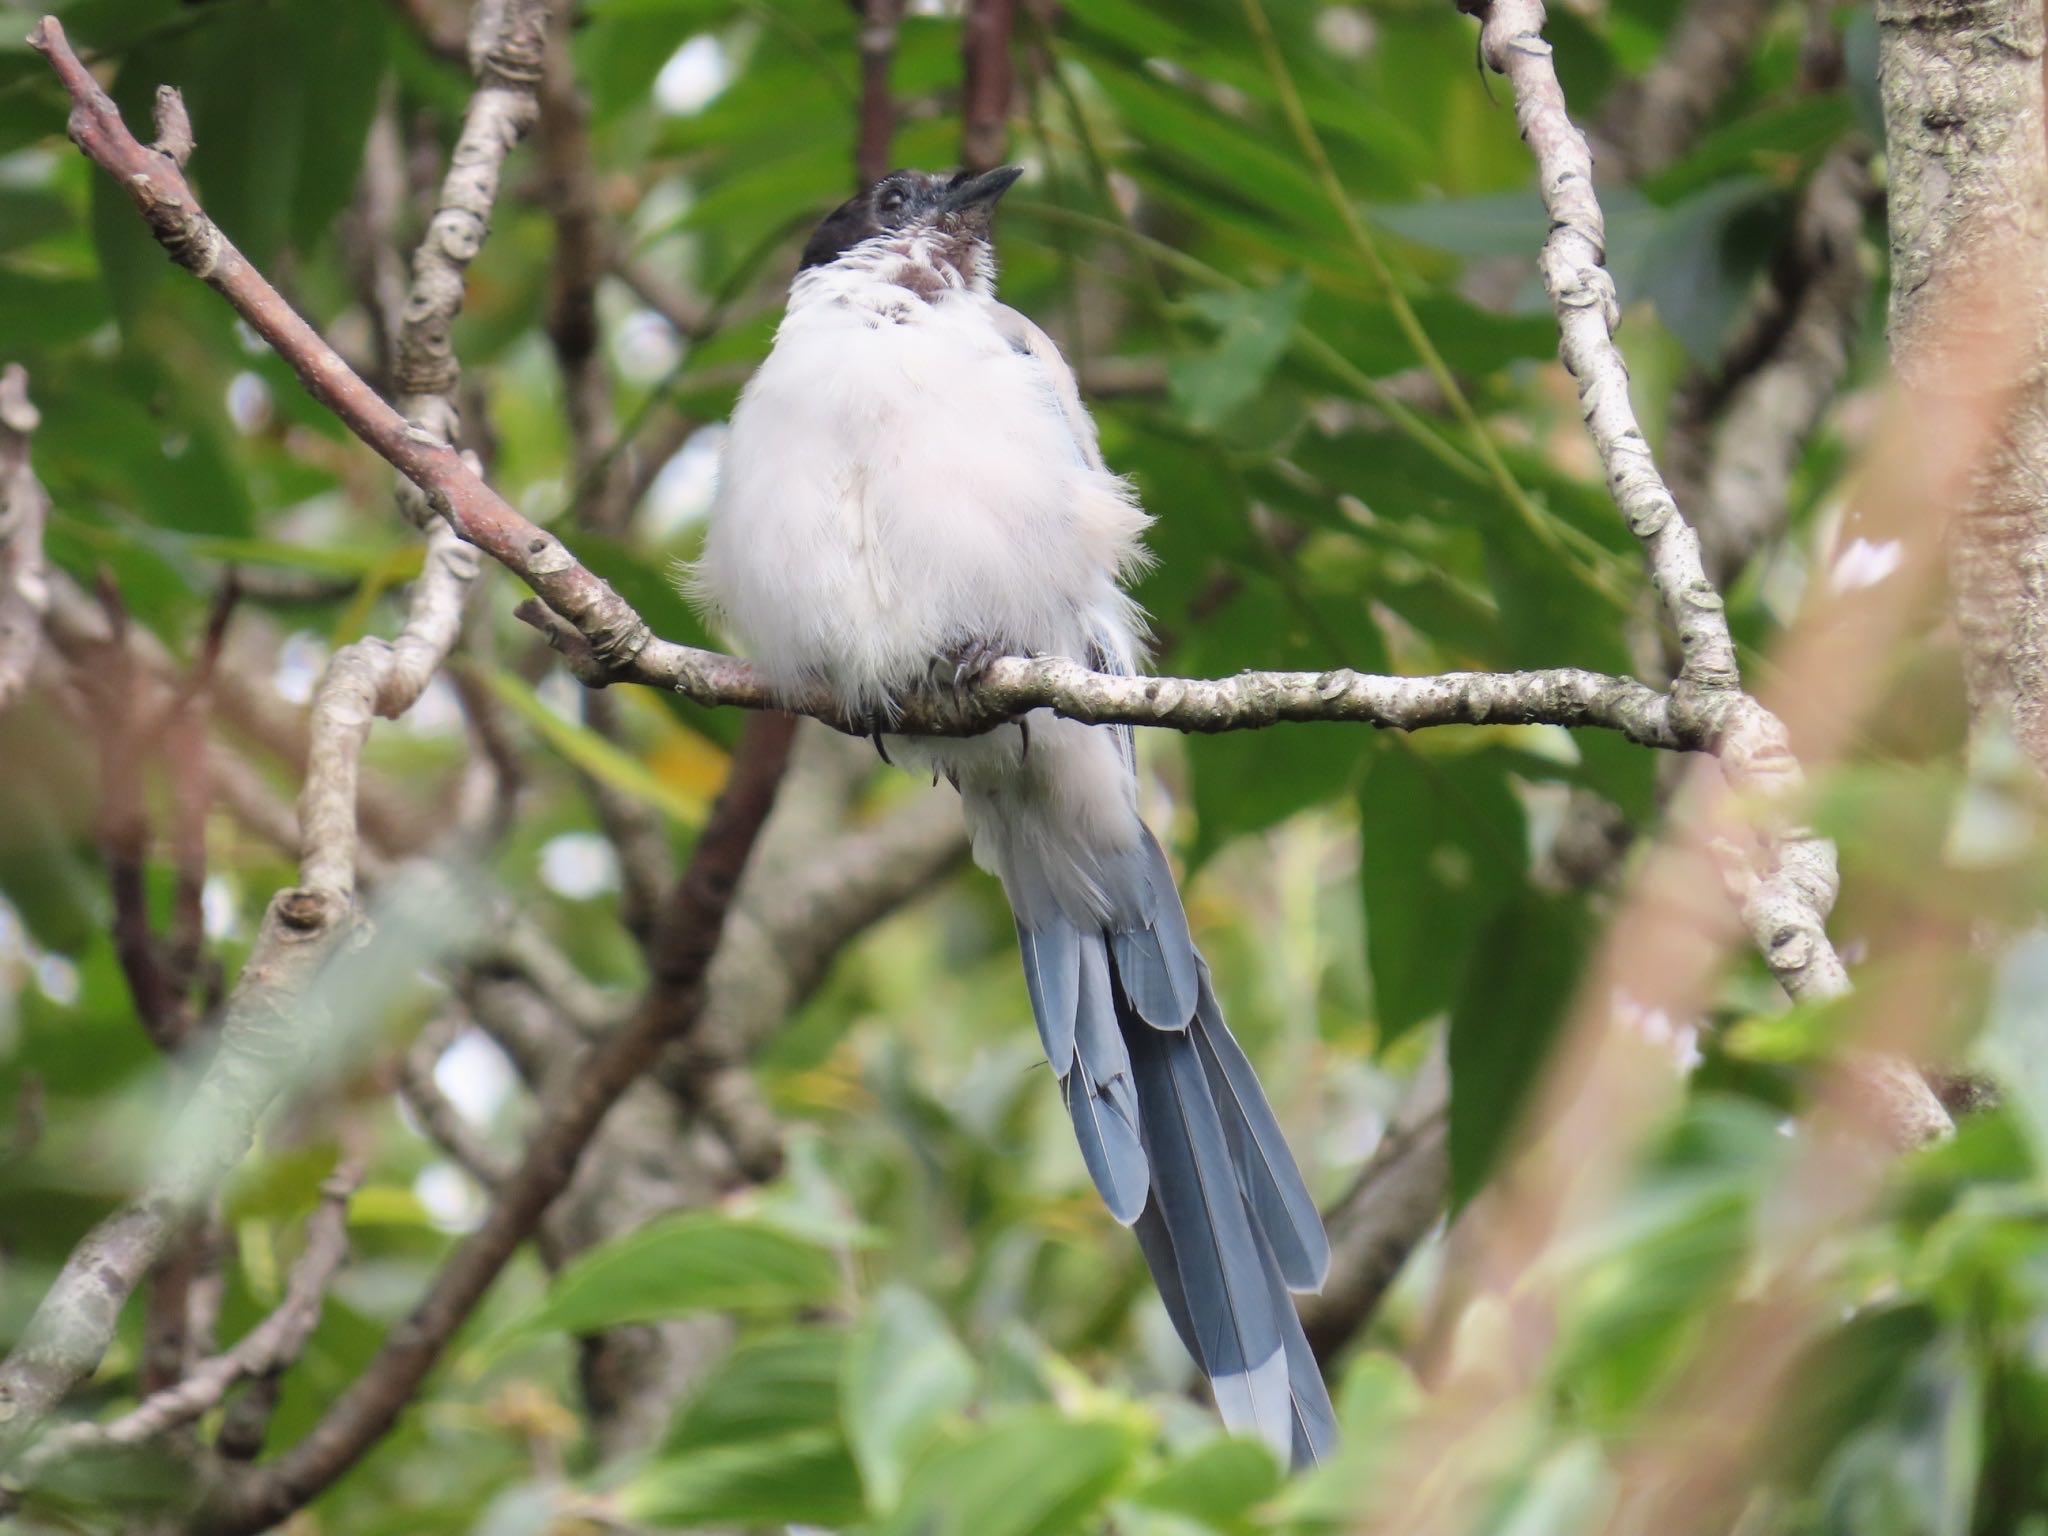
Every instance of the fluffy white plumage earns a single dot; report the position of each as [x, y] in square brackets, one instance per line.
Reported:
[908, 475]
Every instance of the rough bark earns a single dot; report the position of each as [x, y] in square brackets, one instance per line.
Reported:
[1967, 148]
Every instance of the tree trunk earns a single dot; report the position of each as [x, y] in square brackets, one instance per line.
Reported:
[1968, 154]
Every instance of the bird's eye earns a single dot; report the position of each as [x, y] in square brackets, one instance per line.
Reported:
[891, 200]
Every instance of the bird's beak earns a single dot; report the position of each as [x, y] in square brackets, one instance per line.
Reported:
[984, 190]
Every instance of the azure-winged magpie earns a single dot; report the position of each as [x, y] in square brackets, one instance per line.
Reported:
[911, 484]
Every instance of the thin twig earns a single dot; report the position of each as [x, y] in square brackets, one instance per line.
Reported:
[569, 188]
[446, 1125]
[1784, 905]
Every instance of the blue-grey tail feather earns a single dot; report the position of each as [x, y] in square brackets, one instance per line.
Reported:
[1101, 1095]
[1155, 956]
[1281, 1204]
[1223, 1276]
[1181, 1143]
[1314, 1420]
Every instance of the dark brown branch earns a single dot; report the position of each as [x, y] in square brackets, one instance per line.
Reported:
[569, 188]
[987, 78]
[1391, 1206]
[114, 685]
[1652, 121]
[262, 1035]
[680, 958]
[879, 21]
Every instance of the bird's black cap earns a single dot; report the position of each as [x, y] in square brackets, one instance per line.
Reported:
[963, 203]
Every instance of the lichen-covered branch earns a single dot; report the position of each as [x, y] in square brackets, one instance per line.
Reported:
[608, 641]
[24, 590]
[1249, 701]
[507, 40]
[1785, 899]
[1573, 263]
[159, 190]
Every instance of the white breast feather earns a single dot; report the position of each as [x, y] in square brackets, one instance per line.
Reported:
[903, 476]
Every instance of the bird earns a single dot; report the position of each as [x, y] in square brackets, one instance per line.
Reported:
[911, 487]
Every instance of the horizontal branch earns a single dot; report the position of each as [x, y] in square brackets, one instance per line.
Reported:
[1014, 685]
[612, 643]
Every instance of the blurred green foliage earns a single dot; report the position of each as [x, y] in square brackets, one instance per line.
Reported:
[938, 1329]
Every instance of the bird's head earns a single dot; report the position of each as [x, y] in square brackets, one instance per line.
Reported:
[946, 217]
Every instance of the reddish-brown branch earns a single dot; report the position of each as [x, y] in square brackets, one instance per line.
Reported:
[987, 76]
[166, 202]
[879, 21]
[123, 829]
[680, 956]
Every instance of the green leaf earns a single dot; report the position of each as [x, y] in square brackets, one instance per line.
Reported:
[1696, 260]
[805, 1478]
[767, 1388]
[130, 262]
[1842, 1382]
[1032, 1473]
[1246, 781]
[1253, 327]
[1568, 1492]
[1519, 985]
[1217, 1483]
[603, 760]
[46, 312]
[700, 1261]
[29, 214]
[349, 38]
[1444, 846]
[1375, 1402]
[905, 1374]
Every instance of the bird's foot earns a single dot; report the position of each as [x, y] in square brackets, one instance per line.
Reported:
[970, 661]
[877, 722]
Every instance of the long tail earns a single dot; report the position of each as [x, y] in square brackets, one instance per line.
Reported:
[1180, 1140]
